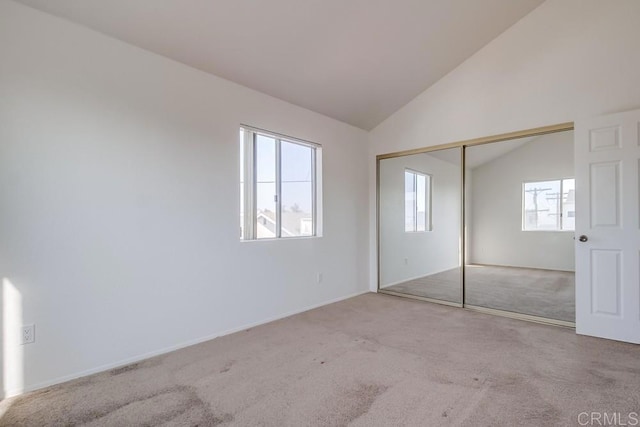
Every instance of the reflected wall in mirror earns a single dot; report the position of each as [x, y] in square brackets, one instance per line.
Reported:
[520, 211]
[420, 217]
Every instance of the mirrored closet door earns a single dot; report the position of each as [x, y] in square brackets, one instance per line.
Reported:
[420, 218]
[517, 216]
[520, 217]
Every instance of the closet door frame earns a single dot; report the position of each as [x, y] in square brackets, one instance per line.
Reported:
[562, 127]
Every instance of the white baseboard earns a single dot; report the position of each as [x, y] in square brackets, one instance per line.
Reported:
[138, 358]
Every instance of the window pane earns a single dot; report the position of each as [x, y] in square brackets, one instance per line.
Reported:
[427, 203]
[265, 187]
[542, 202]
[242, 190]
[296, 189]
[409, 201]
[421, 202]
[568, 204]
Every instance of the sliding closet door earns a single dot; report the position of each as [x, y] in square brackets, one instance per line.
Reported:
[420, 218]
[520, 218]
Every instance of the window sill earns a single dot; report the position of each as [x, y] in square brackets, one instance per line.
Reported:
[548, 231]
[277, 239]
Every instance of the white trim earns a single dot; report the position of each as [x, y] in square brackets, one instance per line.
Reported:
[276, 135]
[280, 239]
[247, 155]
[278, 183]
[250, 182]
[138, 358]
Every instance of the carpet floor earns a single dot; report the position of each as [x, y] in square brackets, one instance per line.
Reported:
[372, 360]
[544, 293]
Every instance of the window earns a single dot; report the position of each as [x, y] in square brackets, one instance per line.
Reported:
[549, 205]
[417, 201]
[279, 182]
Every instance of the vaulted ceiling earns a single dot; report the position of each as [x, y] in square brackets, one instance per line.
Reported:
[357, 61]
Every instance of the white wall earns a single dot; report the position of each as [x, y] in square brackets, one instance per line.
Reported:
[496, 236]
[566, 60]
[119, 201]
[425, 252]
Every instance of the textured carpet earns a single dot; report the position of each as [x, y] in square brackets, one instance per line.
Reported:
[445, 286]
[544, 293]
[373, 360]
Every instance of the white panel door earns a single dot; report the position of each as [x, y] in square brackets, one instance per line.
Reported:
[607, 162]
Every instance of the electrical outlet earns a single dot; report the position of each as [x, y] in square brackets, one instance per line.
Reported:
[319, 278]
[28, 334]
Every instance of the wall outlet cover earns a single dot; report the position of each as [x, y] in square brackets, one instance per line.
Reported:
[28, 334]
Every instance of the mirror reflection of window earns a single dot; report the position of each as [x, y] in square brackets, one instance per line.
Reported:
[569, 204]
[417, 209]
[549, 205]
[420, 207]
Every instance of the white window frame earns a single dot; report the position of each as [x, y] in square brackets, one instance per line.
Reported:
[560, 210]
[249, 223]
[427, 201]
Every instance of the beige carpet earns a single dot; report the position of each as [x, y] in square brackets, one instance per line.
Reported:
[373, 360]
[544, 293]
[446, 286]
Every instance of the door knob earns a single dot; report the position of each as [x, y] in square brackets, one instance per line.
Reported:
[583, 238]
